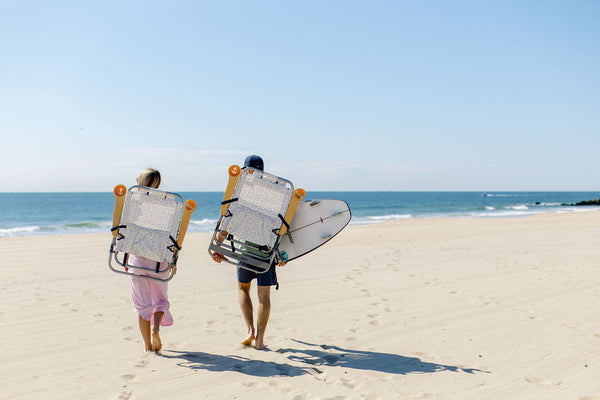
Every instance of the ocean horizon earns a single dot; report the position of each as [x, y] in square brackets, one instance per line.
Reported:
[25, 214]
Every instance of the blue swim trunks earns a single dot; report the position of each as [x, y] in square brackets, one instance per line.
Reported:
[269, 278]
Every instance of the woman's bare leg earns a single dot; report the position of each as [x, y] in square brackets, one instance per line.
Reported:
[145, 330]
[156, 343]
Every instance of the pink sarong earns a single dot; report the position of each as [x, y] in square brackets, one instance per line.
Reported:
[150, 296]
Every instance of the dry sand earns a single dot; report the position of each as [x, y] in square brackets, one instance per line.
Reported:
[450, 308]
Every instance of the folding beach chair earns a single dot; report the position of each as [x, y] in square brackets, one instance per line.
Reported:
[150, 223]
[256, 211]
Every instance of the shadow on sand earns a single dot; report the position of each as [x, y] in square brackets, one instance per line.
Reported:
[218, 363]
[312, 356]
[318, 355]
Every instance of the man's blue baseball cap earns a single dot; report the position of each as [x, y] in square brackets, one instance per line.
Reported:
[254, 161]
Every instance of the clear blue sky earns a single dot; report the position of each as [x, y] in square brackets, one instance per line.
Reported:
[335, 95]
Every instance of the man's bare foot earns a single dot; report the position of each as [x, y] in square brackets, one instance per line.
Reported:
[260, 346]
[156, 343]
[248, 342]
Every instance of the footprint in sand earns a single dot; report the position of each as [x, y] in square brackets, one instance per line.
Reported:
[128, 377]
[538, 381]
[373, 318]
[282, 386]
[371, 396]
[125, 395]
[127, 328]
[326, 378]
[351, 384]
[535, 318]
[413, 395]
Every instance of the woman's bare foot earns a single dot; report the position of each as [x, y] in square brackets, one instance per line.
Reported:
[156, 343]
[248, 341]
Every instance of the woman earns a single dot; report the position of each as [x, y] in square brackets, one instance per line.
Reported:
[150, 296]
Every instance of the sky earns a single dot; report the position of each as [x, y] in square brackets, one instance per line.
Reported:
[334, 95]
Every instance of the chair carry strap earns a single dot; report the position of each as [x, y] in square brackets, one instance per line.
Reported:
[174, 245]
[283, 221]
[116, 228]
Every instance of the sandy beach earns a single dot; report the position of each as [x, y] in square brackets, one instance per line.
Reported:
[448, 308]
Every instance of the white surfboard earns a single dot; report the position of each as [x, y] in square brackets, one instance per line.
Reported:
[314, 224]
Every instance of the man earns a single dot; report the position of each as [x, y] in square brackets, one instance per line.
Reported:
[264, 282]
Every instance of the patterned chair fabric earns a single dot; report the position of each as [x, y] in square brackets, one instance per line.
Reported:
[150, 223]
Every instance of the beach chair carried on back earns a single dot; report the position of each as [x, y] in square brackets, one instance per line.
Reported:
[256, 211]
[150, 223]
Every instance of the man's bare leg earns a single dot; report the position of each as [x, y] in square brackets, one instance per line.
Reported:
[264, 309]
[247, 311]
[145, 330]
[156, 343]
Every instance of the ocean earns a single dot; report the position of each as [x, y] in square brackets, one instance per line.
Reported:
[23, 214]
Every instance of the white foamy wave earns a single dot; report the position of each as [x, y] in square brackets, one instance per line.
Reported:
[507, 212]
[521, 207]
[203, 225]
[19, 231]
[378, 219]
[77, 227]
[490, 208]
[579, 209]
[87, 226]
[502, 214]
[389, 217]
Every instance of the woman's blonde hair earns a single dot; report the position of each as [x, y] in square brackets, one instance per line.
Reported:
[149, 178]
